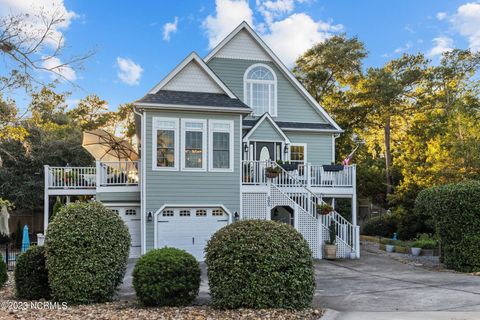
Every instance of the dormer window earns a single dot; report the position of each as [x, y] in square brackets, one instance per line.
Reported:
[260, 89]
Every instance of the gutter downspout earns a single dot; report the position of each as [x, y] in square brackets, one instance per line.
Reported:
[334, 137]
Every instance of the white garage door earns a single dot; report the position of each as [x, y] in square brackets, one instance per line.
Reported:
[189, 229]
[131, 216]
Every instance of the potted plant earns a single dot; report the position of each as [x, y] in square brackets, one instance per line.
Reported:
[324, 208]
[424, 245]
[272, 172]
[390, 246]
[330, 245]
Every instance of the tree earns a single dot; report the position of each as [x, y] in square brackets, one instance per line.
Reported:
[32, 43]
[91, 113]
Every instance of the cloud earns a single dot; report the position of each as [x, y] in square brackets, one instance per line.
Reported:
[467, 21]
[302, 33]
[169, 28]
[441, 16]
[229, 14]
[130, 72]
[442, 44]
[61, 71]
[407, 47]
[279, 24]
[33, 25]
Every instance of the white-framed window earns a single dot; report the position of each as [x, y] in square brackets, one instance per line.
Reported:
[260, 89]
[165, 143]
[130, 212]
[167, 213]
[201, 213]
[217, 212]
[298, 152]
[220, 145]
[184, 213]
[194, 145]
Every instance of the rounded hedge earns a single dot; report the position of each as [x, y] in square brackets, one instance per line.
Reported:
[87, 248]
[455, 209]
[3, 271]
[260, 264]
[383, 226]
[31, 276]
[166, 277]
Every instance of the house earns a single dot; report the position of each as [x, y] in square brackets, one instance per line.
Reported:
[208, 133]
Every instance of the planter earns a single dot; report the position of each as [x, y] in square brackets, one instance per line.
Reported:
[332, 167]
[323, 212]
[289, 166]
[330, 251]
[416, 251]
[389, 248]
[401, 249]
[271, 174]
[353, 255]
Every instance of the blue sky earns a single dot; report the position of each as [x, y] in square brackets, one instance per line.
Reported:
[138, 43]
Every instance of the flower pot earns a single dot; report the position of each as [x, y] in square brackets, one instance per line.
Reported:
[330, 251]
[323, 212]
[271, 174]
[353, 255]
[416, 251]
[389, 248]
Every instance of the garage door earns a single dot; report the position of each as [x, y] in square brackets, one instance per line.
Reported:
[131, 216]
[189, 229]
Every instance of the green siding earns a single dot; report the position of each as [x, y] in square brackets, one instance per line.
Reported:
[181, 187]
[266, 132]
[133, 197]
[319, 146]
[292, 105]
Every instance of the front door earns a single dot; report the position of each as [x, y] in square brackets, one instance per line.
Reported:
[267, 151]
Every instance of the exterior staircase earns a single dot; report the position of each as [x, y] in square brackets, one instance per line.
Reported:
[287, 190]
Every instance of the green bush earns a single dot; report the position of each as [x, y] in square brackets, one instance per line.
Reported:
[166, 277]
[31, 276]
[383, 226]
[87, 249]
[3, 271]
[56, 208]
[425, 241]
[456, 212]
[411, 224]
[260, 264]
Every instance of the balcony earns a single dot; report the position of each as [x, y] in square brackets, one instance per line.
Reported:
[103, 175]
[316, 176]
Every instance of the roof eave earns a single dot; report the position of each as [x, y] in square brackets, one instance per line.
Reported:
[164, 106]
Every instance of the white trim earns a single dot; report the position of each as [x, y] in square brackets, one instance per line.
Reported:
[176, 143]
[121, 204]
[142, 180]
[191, 206]
[204, 143]
[272, 109]
[275, 126]
[193, 57]
[192, 108]
[211, 130]
[279, 63]
[240, 166]
[334, 139]
[113, 189]
[297, 144]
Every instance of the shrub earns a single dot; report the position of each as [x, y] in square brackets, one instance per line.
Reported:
[3, 271]
[87, 249]
[166, 277]
[31, 276]
[260, 264]
[383, 226]
[411, 224]
[56, 208]
[425, 241]
[456, 211]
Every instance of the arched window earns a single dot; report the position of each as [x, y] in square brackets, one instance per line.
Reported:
[260, 89]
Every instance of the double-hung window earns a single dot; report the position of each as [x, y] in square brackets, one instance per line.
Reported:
[298, 153]
[260, 89]
[194, 144]
[166, 143]
[221, 145]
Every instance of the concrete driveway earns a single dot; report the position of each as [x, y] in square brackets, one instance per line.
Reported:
[375, 283]
[378, 283]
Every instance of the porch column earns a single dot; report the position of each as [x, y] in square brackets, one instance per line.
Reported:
[46, 199]
[354, 197]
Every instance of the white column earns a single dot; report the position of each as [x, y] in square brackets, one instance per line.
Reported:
[354, 197]
[269, 200]
[45, 198]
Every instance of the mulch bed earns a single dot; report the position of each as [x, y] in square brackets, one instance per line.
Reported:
[118, 310]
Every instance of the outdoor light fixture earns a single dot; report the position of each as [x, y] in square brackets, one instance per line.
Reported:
[245, 147]
[285, 150]
[149, 216]
[236, 216]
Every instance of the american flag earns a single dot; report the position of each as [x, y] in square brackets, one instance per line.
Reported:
[349, 158]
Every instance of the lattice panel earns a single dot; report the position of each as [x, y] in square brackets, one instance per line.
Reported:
[307, 225]
[254, 206]
[343, 250]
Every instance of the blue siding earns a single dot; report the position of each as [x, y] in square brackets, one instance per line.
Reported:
[319, 146]
[133, 197]
[266, 132]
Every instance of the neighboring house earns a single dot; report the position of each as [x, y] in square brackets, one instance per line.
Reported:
[207, 133]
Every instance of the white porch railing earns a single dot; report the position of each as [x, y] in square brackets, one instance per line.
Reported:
[104, 174]
[253, 173]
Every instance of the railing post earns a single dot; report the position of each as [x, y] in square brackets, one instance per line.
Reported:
[357, 241]
[98, 175]
[308, 174]
[46, 199]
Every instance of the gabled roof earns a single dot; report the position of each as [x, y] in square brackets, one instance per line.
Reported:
[245, 26]
[266, 117]
[193, 57]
